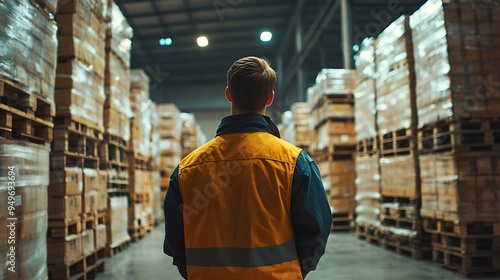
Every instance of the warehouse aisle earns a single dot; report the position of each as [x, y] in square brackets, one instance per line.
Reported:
[347, 258]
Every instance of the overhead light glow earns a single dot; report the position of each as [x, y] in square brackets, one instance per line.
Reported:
[165, 41]
[202, 41]
[266, 36]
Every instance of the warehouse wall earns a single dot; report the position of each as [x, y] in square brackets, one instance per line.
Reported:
[206, 101]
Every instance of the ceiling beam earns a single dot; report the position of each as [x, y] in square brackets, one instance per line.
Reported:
[210, 7]
[311, 38]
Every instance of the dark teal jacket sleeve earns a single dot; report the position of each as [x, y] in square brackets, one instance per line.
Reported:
[174, 243]
[310, 212]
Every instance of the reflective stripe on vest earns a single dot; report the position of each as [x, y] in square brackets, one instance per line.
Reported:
[242, 257]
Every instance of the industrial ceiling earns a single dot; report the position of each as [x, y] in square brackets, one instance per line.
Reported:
[306, 36]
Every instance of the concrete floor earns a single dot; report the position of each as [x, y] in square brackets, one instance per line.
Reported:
[347, 258]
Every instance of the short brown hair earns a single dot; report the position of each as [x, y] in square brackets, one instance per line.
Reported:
[250, 81]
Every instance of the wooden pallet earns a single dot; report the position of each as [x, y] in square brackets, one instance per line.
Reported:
[113, 149]
[367, 147]
[417, 246]
[24, 116]
[62, 228]
[86, 268]
[100, 218]
[136, 161]
[403, 201]
[398, 143]
[79, 126]
[334, 153]
[14, 95]
[88, 220]
[477, 135]
[342, 221]
[137, 234]
[111, 251]
[462, 228]
[416, 253]
[368, 233]
[405, 223]
[395, 210]
[483, 264]
[139, 197]
[467, 245]
[61, 160]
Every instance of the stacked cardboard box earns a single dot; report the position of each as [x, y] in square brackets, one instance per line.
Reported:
[118, 110]
[191, 134]
[23, 196]
[401, 226]
[170, 131]
[141, 219]
[368, 154]
[458, 110]
[333, 144]
[155, 158]
[27, 72]
[302, 125]
[286, 127]
[116, 118]
[77, 191]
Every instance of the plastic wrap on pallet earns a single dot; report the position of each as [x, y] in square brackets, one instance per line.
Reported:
[118, 223]
[139, 88]
[119, 34]
[302, 124]
[28, 52]
[117, 123]
[141, 130]
[30, 258]
[117, 82]
[98, 7]
[31, 177]
[367, 215]
[170, 124]
[287, 127]
[395, 82]
[81, 36]
[364, 110]
[365, 59]
[80, 91]
[399, 177]
[48, 5]
[455, 60]
[460, 187]
[335, 81]
[398, 231]
[155, 135]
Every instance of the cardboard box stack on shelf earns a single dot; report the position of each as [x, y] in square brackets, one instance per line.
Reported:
[368, 153]
[286, 127]
[155, 159]
[401, 226]
[191, 134]
[117, 114]
[334, 143]
[23, 198]
[141, 218]
[77, 191]
[170, 130]
[27, 72]
[303, 133]
[458, 109]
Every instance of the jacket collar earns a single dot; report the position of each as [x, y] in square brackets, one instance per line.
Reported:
[249, 122]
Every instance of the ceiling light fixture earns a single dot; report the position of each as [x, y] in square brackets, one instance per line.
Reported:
[266, 36]
[202, 41]
[165, 41]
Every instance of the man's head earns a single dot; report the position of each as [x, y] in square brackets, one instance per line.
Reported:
[250, 85]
